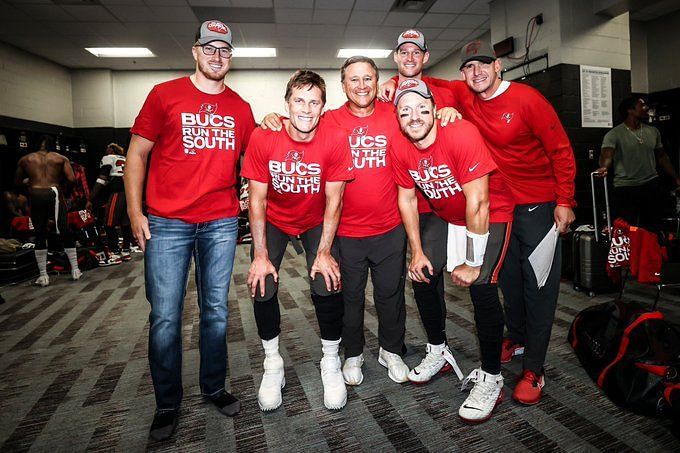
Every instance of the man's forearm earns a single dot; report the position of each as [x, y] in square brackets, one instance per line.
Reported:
[135, 172]
[408, 208]
[258, 226]
[666, 166]
[477, 216]
[331, 219]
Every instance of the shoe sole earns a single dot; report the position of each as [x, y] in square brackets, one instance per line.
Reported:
[389, 373]
[501, 397]
[349, 383]
[443, 370]
[335, 407]
[527, 403]
[515, 353]
[278, 403]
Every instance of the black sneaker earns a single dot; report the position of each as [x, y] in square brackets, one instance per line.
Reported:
[163, 426]
[226, 403]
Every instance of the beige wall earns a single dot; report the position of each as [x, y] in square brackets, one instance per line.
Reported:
[33, 88]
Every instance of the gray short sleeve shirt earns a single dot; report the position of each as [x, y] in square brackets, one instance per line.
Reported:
[634, 155]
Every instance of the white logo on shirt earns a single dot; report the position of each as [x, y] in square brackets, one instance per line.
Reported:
[295, 176]
[206, 130]
[436, 181]
[471, 169]
[367, 151]
[533, 208]
[507, 117]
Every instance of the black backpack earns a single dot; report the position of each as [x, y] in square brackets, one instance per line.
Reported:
[632, 354]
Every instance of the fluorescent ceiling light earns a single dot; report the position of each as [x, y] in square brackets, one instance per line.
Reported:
[370, 53]
[120, 52]
[255, 52]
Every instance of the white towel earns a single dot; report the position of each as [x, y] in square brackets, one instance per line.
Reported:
[456, 246]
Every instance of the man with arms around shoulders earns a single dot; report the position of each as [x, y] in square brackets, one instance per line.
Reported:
[296, 180]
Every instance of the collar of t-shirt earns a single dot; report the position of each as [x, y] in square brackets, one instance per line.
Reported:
[501, 89]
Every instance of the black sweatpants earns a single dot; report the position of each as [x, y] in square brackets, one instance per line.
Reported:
[48, 204]
[483, 293]
[327, 304]
[529, 311]
[385, 257]
[639, 205]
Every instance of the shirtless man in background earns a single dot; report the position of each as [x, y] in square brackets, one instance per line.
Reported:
[46, 171]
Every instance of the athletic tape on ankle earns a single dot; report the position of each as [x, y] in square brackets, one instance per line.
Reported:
[476, 246]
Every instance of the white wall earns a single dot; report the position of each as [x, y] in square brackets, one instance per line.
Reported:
[263, 89]
[638, 57]
[33, 88]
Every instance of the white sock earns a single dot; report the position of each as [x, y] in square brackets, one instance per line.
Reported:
[271, 347]
[72, 255]
[41, 259]
[330, 347]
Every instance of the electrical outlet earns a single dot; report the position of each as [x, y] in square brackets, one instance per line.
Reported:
[591, 154]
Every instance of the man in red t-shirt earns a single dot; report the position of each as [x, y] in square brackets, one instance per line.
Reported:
[370, 236]
[534, 156]
[195, 129]
[455, 171]
[296, 180]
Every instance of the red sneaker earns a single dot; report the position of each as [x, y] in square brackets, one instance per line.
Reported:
[529, 388]
[510, 349]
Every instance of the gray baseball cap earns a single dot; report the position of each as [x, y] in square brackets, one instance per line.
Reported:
[213, 30]
[412, 86]
[414, 37]
[477, 51]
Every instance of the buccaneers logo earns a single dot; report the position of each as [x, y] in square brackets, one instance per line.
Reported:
[507, 117]
[360, 130]
[218, 27]
[410, 34]
[472, 48]
[408, 83]
[208, 108]
[294, 156]
[425, 163]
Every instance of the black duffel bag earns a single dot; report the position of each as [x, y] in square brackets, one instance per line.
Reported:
[633, 355]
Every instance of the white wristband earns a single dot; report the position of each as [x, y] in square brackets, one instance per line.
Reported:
[101, 181]
[475, 248]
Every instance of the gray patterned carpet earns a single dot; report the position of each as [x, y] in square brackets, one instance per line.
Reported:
[74, 377]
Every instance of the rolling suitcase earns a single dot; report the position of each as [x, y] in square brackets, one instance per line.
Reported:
[17, 266]
[590, 249]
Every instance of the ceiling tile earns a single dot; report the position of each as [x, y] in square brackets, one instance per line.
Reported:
[132, 13]
[436, 20]
[46, 13]
[294, 3]
[9, 13]
[402, 19]
[367, 17]
[251, 3]
[173, 14]
[293, 16]
[449, 6]
[373, 5]
[431, 33]
[333, 4]
[212, 3]
[440, 44]
[326, 31]
[478, 7]
[359, 33]
[89, 13]
[330, 16]
[469, 21]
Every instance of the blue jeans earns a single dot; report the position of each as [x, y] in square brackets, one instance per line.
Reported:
[166, 269]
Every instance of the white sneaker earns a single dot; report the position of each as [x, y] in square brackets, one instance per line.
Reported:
[273, 380]
[43, 280]
[484, 396]
[334, 390]
[438, 359]
[397, 370]
[351, 370]
[76, 274]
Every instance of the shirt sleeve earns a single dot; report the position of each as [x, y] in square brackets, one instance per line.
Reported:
[546, 126]
[401, 175]
[472, 157]
[658, 144]
[248, 127]
[610, 140]
[340, 166]
[255, 161]
[149, 121]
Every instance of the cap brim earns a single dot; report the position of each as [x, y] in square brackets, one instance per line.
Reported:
[483, 59]
[411, 42]
[400, 95]
[209, 39]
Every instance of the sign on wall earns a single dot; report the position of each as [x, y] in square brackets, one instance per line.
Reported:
[596, 96]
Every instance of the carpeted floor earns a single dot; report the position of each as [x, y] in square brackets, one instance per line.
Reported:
[74, 377]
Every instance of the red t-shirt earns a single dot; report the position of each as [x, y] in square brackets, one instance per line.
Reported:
[198, 139]
[457, 157]
[296, 173]
[369, 206]
[526, 139]
[442, 98]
